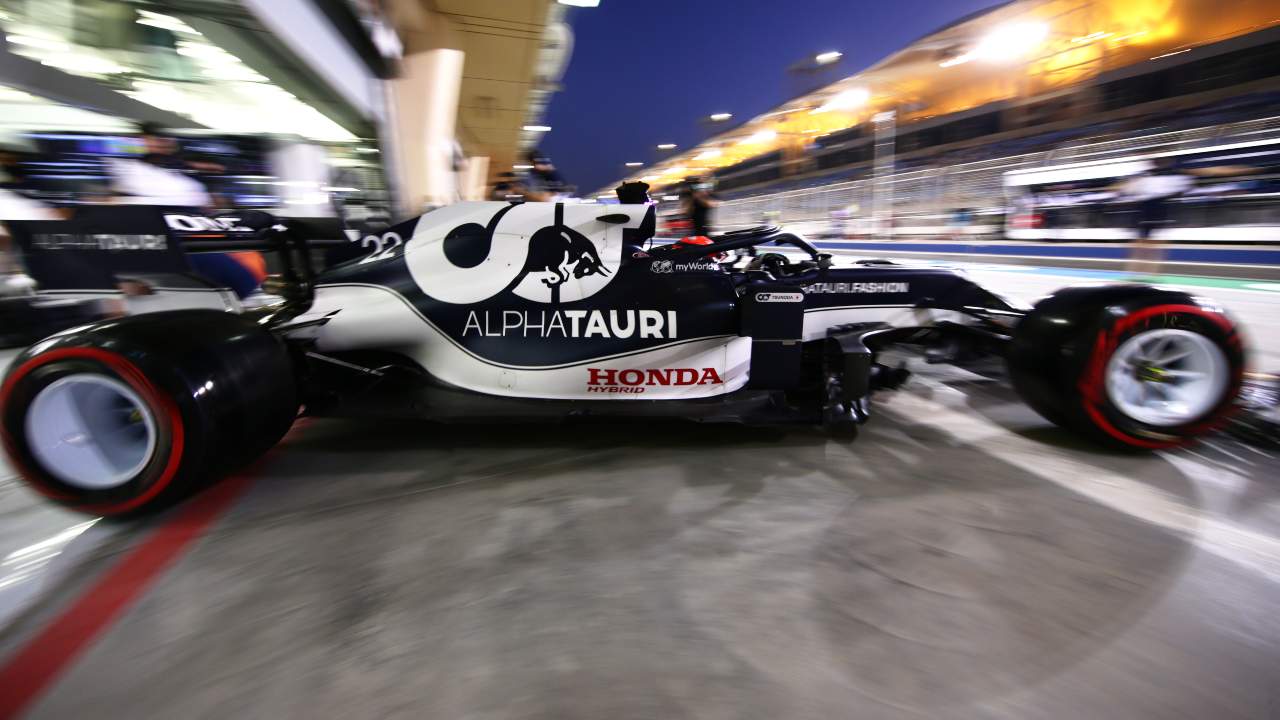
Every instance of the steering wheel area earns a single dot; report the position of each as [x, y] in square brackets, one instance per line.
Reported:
[776, 264]
[740, 241]
[781, 266]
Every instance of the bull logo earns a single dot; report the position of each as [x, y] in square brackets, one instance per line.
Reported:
[459, 258]
[558, 253]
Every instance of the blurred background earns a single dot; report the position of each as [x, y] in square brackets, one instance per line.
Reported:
[1090, 122]
[962, 560]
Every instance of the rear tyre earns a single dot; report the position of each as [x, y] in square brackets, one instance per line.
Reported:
[1131, 366]
[128, 416]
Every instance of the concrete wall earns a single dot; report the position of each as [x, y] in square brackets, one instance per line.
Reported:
[304, 29]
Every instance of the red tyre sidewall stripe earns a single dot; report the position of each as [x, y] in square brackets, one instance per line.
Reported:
[131, 374]
[1101, 421]
[1092, 383]
[1132, 318]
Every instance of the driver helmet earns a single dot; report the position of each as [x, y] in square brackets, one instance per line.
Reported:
[701, 240]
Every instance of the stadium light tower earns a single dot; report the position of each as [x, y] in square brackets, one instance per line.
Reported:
[813, 71]
[1009, 42]
[759, 137]
[850, 99]
[1004, 44]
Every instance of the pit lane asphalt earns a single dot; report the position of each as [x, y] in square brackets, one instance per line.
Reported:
[961, 559]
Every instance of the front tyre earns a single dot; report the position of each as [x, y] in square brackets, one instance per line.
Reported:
[1132, 366]
[128, 416]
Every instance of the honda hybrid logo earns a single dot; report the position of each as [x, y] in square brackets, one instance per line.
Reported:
[609, 380]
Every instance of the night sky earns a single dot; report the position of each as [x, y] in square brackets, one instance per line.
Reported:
[644, 71]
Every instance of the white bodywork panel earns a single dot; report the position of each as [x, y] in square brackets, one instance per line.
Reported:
[374, 315]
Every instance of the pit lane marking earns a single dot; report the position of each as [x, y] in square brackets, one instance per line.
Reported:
[1252, 550]
[38, 664]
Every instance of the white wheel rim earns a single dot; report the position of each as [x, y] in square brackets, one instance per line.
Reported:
[90, 431]
[1166, 377]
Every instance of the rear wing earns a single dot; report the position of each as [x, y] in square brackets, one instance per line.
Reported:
[99, 244]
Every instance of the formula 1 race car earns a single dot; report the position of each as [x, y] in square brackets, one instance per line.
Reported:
[513, 312]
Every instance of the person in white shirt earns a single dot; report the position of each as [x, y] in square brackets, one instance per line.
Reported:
[1151, 192]
[159, 177]
[15, 205]
[162, 177]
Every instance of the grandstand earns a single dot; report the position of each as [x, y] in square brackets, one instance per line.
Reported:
[1028, 84]
[929, 192]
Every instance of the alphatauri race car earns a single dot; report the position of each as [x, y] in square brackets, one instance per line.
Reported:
[488, 311]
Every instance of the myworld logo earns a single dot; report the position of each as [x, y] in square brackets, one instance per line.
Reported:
[666, 267]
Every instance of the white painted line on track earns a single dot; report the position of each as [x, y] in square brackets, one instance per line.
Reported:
[923, 254]
[1252, 550]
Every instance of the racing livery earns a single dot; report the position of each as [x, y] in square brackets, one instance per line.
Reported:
[520, 300]
[497, 311]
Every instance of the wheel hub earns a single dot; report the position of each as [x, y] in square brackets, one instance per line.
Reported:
[1166, 377]
[1151, 373]
[90, 431]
